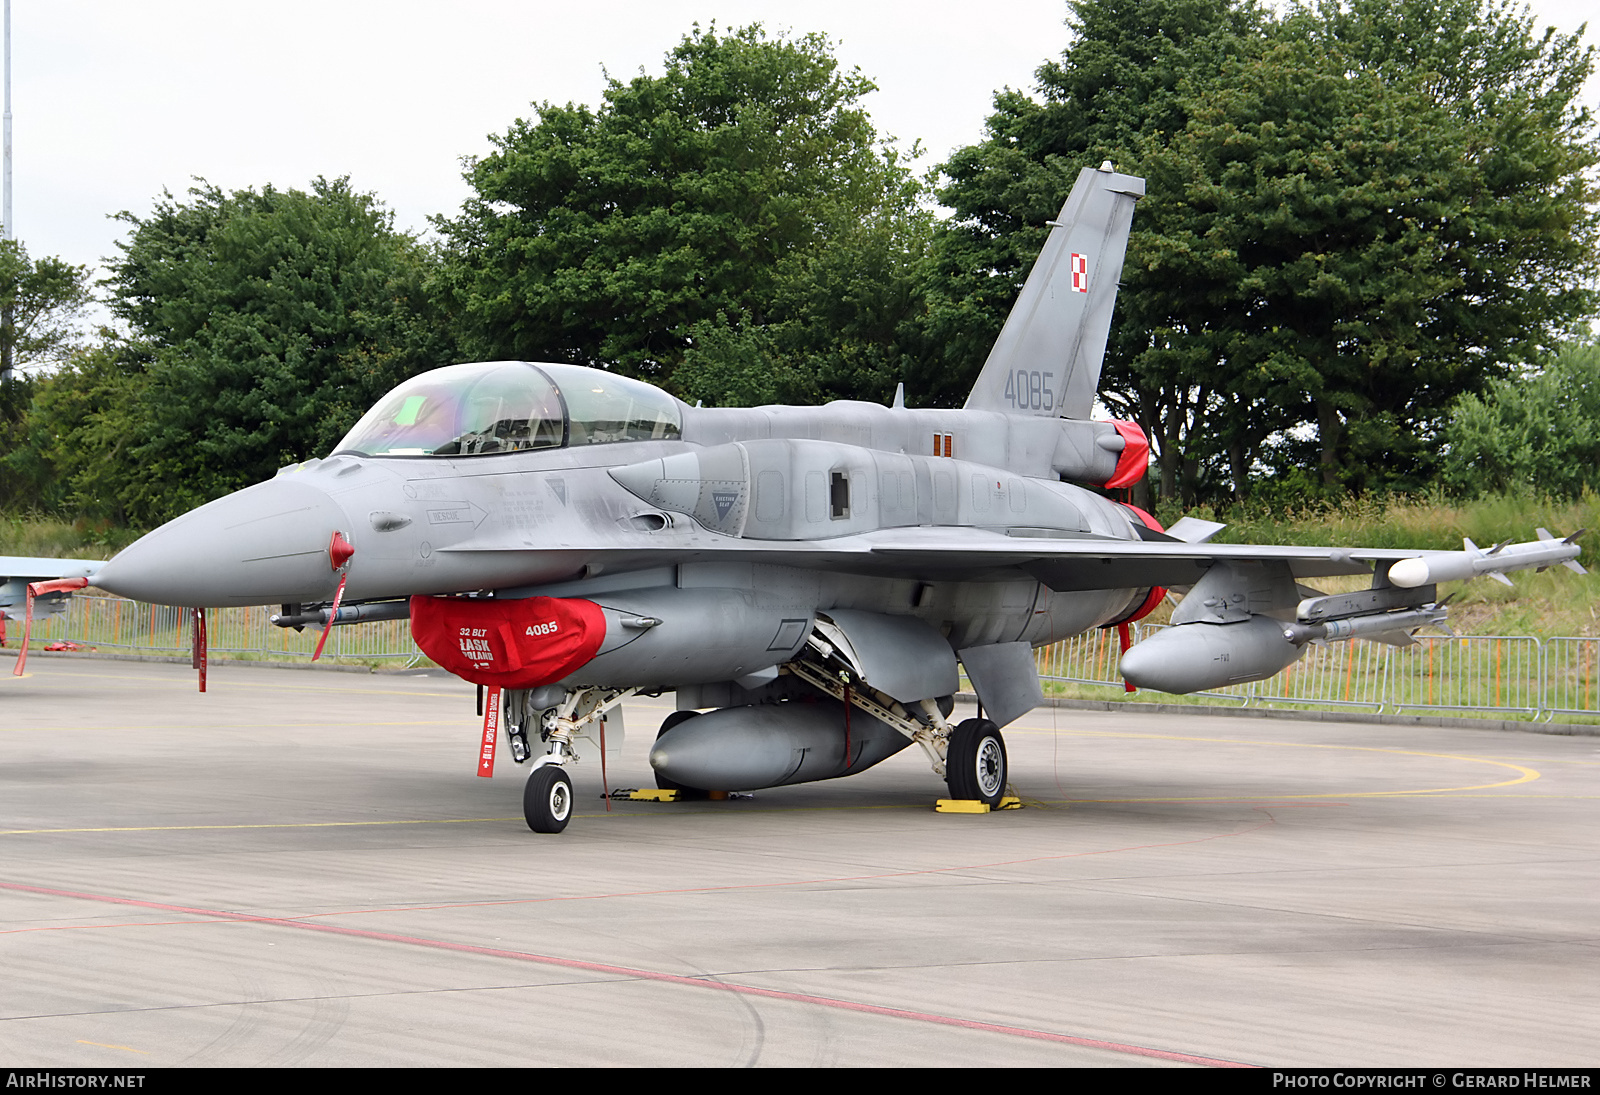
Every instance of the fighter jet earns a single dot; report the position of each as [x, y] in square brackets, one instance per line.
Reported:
[808, 581]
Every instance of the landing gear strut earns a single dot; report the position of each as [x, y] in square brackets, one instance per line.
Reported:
[547, 799]
[975, 763]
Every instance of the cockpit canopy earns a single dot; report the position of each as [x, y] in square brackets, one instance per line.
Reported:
[494, 407]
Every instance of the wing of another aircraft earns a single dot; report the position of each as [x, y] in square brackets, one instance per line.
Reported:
[17, 571]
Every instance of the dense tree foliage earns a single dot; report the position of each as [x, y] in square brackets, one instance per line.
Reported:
[737, 212]
[1536, 434]
[74, 451]
[1355, 214]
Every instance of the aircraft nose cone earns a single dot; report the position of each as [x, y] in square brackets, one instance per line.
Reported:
[267, 544]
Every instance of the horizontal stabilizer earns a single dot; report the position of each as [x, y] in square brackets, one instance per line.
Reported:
[1192, 530]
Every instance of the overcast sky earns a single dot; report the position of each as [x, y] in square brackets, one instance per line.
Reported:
[115, 100]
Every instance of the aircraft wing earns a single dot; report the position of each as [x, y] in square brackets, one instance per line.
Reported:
[1061, 564]
[1104, 563]
[17, 571]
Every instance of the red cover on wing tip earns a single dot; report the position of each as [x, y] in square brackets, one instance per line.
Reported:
[1135, 458]
[511, 643]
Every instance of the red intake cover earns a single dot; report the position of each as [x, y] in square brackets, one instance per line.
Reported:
[512, 644]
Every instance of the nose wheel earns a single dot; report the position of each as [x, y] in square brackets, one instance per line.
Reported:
[547, 799]
[975, 762]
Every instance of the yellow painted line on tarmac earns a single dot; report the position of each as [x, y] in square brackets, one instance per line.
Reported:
[108, 1045]
[1515, 794]
[1549, 760]
[1524, 774]
[667, 808]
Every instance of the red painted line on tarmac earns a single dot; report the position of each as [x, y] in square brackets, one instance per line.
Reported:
[826, 881]
[646, 975]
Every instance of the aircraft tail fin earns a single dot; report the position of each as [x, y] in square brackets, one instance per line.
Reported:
[1048, 356]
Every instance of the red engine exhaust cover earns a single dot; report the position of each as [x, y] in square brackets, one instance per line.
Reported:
[512, 644]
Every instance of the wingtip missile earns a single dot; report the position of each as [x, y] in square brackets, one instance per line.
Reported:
[1450, 566]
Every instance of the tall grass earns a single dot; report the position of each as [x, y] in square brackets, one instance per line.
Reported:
[1556, 602]
[1408, 522]
[52, 538]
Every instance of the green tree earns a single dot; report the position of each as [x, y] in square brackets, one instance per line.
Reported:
[267, 322]
[1354, 215]
[1535, 434]
[841, 322]
[40, 305]
[709, 213]
[75, 443]
[1123, 77]
[1302, 227]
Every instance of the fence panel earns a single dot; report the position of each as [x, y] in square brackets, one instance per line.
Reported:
[1470, 673]
[1475, 673]
[1571, 682]
[1090, 658]
[1346, 674]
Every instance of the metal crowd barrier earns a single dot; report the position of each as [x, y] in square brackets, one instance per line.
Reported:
[1513, 674]
[105, 622]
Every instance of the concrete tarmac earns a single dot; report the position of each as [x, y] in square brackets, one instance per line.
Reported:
[302, 868]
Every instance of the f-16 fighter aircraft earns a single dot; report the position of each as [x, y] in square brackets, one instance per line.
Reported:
[806, 580]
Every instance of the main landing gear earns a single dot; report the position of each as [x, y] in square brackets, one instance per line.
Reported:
[970, 756]
[975, 762]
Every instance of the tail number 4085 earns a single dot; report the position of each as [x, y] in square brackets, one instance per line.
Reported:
[1029, 390]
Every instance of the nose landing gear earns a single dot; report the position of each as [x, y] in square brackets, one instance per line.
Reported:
[547, 799]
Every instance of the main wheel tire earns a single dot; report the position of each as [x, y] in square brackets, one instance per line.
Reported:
[975, 762]
[677, 718]
[547, 799]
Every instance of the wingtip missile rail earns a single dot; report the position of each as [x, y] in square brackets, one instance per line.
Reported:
[1450, 566]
